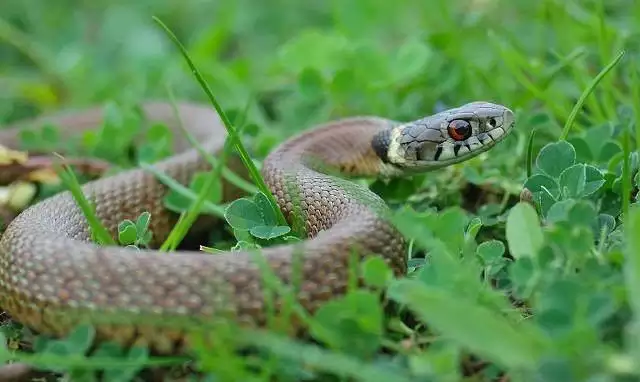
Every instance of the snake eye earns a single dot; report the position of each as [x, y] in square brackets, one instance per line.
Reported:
[459, 129]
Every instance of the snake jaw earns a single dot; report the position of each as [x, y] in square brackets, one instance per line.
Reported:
[428, 144]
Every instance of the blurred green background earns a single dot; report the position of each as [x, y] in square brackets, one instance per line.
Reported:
[304, 62]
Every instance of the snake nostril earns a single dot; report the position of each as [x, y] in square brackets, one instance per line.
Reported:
[492, 122]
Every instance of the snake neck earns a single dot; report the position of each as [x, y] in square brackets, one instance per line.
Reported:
[348, 148]
[312, 168]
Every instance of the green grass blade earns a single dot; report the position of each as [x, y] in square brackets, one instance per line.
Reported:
[530, 153]
[626, 173]
[586, 93]
[632, 274]
[99, 232]
[233, 135]
[635, 100]
[229, 175]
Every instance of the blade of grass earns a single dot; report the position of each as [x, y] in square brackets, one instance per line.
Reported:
[635, 100]
[632, 276]
[99, 232]
[233, 135]
[626, 173]
[187, 219]
[586, 93]
[229, 175]
[604, 42]
[530, 153]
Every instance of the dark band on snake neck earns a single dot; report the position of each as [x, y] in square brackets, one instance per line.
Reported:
[381, 143]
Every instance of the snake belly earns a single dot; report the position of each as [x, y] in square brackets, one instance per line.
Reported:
[52, 277]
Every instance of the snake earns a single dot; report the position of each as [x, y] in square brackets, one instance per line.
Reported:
[53, 277]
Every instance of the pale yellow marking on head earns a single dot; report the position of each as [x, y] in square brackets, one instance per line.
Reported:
[394, 149]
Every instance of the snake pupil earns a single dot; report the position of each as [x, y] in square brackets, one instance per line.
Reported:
[459, 129]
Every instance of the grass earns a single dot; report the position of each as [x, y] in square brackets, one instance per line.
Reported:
[506, 290]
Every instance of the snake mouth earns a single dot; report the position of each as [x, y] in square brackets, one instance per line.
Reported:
[449, 137]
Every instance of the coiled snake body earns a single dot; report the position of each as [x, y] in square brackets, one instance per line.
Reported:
[52, 277]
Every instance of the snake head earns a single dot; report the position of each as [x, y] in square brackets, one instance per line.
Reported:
[448, 137]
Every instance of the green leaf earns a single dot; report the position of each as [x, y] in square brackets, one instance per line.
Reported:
[352, 324]
[243, 214]
[473, 228]
[488, 334]
[524, 234]
[572, 181]
[581, 180]
[490, 213]
[556, 157]
[605, 224]
[583, 152]
[375, 272]
[76, 342]
[609, 150]
[490, 251]
[108, 350]
[415, 225]
[268, 232]
[127, 233]
[81, 338]
[142, 223]
[545, 190]
[522, 274]
[594, 180]
[449, 227]
[540, 182]
[596, 137]
[59, 348]
[265, 207]
[582, 213]
[560, 211]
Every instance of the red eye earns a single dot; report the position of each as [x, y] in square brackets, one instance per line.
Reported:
[459, 129]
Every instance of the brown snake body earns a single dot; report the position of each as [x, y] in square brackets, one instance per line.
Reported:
[52, 277]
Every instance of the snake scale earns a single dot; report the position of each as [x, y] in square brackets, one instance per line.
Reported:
[52, 277]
